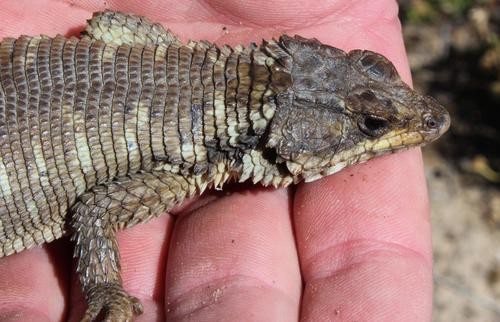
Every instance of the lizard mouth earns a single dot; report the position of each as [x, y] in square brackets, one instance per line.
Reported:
[391, 142]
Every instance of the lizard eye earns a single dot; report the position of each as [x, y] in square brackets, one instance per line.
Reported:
[430, 122]
[373, 126]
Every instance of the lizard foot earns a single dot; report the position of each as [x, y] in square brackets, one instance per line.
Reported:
[112, 303]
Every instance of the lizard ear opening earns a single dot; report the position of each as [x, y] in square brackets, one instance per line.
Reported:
[373, 126]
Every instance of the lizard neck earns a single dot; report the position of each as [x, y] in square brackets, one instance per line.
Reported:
[218, 106]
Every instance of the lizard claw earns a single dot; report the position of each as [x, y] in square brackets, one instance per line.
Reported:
[112, 303]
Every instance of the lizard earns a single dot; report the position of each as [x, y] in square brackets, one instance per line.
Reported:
[115, 127]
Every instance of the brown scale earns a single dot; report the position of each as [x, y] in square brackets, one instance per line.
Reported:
[42, 185]
[260, 83]
[105, 110]
[230, 98]
[57, 124]
[68, 130]
[184, 107]
[209, 128]
[171, 133]
[158, 103]
[144, 114]
[6, 202]
[117, 114]
[12, 160]
[7, 211]
[79, 116]
[92, 117]
[54, 191]
[20, 47]
[219, 104]
[242, 96]
[197, 103]
[33, 139]
[132, 109]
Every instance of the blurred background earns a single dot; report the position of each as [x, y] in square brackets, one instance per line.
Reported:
[454, 52]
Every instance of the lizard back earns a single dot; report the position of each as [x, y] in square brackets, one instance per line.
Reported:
[76, 113]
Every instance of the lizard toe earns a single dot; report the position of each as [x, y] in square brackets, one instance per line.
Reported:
[112, 303]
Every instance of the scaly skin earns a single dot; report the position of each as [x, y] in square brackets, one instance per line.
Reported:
[83, 117]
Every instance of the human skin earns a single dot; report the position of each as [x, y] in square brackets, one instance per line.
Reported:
[354, 246]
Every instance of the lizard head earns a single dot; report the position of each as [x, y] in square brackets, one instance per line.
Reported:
[346, 108]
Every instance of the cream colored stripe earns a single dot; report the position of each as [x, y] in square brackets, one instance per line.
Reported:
[4, 180]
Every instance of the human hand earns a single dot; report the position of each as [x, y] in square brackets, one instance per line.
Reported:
[352, 246]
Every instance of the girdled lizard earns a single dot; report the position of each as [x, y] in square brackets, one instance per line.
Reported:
[108, 130]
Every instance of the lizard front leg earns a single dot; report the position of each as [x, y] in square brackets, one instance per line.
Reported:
[97, 216]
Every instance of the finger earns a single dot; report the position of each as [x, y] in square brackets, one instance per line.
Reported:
[364, 244]
[43, 17]
[363, 234]
[235, 258]
[34, 283]
[231, 260]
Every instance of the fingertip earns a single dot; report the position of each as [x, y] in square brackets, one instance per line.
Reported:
[35, 283]
[392, 288]
[234, 257]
